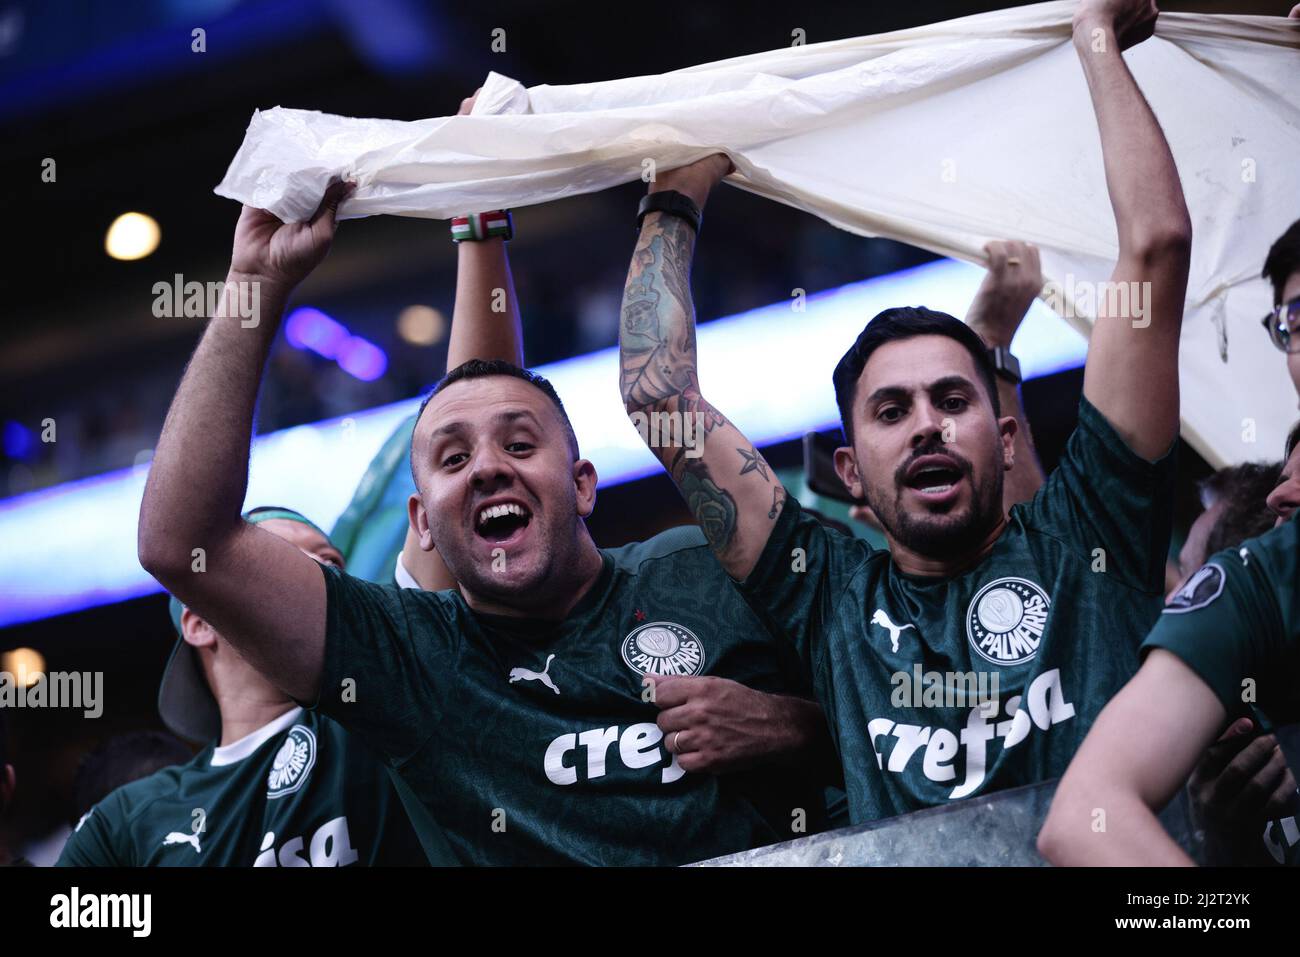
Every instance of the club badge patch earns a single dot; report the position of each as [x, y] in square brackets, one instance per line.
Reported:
[1201, 589]
[1006, 620]
[293, 762]
[663, 648]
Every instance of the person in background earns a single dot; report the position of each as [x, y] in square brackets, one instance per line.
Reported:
[1282, 270]
[273, 786]
[1226, 650]
[119, 761]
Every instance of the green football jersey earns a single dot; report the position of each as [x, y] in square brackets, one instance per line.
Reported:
[938, 689]
[1236, 623]
[530, 742]
[299, 792]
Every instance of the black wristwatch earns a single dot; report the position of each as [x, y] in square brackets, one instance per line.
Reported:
[674, 204]
[1005, 364]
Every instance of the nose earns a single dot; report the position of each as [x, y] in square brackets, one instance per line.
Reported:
[490, 469]
[1285, 499]
[927, 423]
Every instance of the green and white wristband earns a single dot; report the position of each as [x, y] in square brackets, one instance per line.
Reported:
[477, 227]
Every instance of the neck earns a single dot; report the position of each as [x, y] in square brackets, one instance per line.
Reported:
[554, 600]
[247, 701]
[912, 562]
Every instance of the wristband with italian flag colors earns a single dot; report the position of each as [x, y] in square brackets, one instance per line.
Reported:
[479, 226]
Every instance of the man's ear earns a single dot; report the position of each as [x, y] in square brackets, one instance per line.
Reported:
[197, 632]
[419, 520]
[846, 467]
[1008, 426]
[584, 480]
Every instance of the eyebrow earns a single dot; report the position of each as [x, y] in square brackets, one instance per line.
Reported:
[938, 385]
[507, 417]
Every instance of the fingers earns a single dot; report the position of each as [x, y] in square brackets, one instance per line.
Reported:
[671, 691]
[1230, 743]
[467, 104]
[329, 205]
[1283, 801]
[997, 254]
[1259, 787]
[1237, 775]
[674, 719]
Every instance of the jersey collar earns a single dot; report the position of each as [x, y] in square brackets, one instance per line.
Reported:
[238, 750]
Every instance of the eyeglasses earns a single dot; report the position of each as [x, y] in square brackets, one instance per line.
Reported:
[1283, 326]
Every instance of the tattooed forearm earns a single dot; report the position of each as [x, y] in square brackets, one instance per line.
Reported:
[753, 463]
[657, 330]
[714, 508]
[778, 500]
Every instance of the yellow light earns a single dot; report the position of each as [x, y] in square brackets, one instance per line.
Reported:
[132, 236]
[25, 664]
[421, 325]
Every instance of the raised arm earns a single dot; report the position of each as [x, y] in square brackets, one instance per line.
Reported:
[1014, 279]
[485, 324]
[1104, 812]
[732, 492]
[1132, 370]
[260, 592]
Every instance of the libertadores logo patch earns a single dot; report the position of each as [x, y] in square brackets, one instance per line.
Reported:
[1201, 589]
[1006, 619]
[293, 762]
[663, 648]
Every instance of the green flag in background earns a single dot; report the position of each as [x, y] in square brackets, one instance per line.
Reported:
[371, 530]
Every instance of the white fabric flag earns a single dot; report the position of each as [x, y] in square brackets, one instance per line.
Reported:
[943, 136]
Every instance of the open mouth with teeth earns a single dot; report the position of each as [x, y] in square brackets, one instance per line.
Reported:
[934, 480]
[500, 523]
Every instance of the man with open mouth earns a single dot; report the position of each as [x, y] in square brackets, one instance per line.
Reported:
[1054, 596]
[561, 703]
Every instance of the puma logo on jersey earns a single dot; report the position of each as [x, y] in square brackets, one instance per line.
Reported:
[176, 837]
[524, 674]
[881, 619]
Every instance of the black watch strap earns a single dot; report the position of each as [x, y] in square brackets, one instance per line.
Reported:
[674, 204]
[1005, 364]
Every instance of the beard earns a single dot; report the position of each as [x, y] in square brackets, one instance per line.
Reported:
[939, 534]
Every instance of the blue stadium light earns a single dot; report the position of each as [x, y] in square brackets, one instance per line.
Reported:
[19, 442]
[309, 328]
[362, 359]
[73, 546]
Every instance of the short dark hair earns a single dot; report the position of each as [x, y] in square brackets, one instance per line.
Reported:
[1244, 491]
[905, 322]
[481, 369]
[1292, 441]
[1283, 260]
[121, 760]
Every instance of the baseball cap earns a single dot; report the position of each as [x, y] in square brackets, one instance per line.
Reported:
[186, 703]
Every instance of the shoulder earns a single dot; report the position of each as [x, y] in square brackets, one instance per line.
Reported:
[121, 808]
[683, 543]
